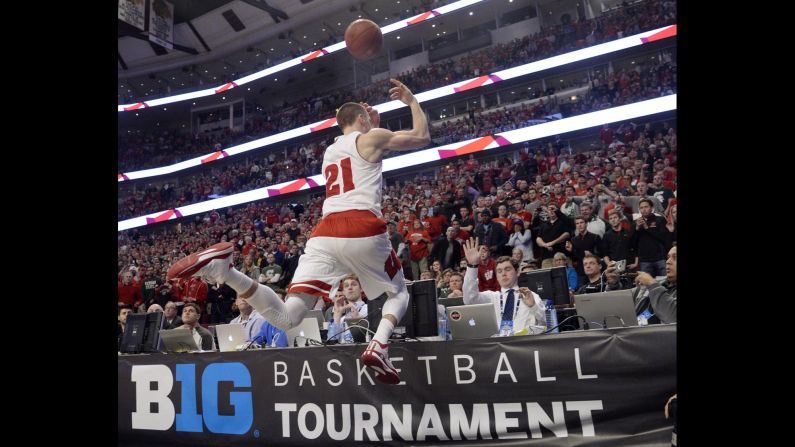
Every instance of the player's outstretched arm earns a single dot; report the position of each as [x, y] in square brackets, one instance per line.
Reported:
[374, 143]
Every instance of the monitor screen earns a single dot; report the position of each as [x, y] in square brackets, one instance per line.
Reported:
[142, 333]
[549, 284]
[421, 318]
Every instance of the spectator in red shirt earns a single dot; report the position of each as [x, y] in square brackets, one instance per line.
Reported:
[247, 247]
[606, 135]
[487, 279]
[418, 239]
[504, 219]
[405, 224]
[436, 223]
[129, 293]
[196, 292]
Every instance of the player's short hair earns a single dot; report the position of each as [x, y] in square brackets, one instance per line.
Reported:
[347, 113]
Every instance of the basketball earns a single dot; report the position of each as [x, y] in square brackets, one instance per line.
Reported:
[364, 39]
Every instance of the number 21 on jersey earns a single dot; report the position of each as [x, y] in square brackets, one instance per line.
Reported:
[332, 173]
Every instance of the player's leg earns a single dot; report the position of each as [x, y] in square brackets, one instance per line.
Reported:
[214, 264]
[317, 270]
[379, 270]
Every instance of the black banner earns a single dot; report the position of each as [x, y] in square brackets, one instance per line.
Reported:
[598, 387]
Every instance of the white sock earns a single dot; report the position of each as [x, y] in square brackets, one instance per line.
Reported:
[385, 329]
[264, 300]
[239, 282]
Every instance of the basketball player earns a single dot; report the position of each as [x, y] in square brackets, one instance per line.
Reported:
[350, 238]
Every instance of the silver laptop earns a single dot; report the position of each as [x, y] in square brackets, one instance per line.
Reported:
[609, 309]
[178, 340]
[230, 336]
[472, 321]
[317, 314]
[308, 328]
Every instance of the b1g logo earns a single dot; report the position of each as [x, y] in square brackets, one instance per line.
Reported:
[189, 420]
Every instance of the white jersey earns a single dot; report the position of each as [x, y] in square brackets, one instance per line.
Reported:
[352, 183]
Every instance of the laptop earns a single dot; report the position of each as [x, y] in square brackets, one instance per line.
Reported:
[472, 321]
[230, 336]
[609, 309]
[447, 302]
[178, 340]
[308, 328]
[317, 314]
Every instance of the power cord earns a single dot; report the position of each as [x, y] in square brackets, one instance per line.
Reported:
[617, 317]
[585, 323]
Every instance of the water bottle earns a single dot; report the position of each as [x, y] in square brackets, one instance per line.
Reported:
[342, 328]
[551, 316]
[442, 329]
[506, 328]
[347, 335]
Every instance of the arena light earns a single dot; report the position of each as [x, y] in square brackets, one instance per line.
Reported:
[403, 23]
[448, 90]
[293, 62]
[562, 126]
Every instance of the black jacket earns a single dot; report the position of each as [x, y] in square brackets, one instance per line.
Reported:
[496, 233]
[440, 250]
[548, 232]
[649, 243]
[588, 242]
[174, 324]
[618, 245]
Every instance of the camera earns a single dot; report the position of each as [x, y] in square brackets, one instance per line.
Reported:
[621, 266]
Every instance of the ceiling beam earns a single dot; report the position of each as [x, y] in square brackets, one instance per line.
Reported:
[275, 13]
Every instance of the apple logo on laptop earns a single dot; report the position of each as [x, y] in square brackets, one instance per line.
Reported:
[302, 334]
[231, 338]
[471, 321]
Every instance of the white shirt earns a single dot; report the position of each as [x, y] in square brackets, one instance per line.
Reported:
[523, 317]
[252, 325]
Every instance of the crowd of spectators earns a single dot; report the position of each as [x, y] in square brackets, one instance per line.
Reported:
[145, 151]
[647, 80]
[533, 204]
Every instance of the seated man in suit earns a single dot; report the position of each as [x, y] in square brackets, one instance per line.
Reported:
[517, 308]
[172, 320]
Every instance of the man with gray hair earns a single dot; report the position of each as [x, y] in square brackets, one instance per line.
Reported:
[172, 320]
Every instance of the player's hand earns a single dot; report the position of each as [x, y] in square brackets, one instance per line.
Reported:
[375, 118]
[471, 251]
[400, 92]
[644, 279]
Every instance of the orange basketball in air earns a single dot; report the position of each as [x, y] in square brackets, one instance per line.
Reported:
[364, 39]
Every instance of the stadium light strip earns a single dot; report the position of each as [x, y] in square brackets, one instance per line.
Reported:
[293, 62]
[449, 90]
[558, 127]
